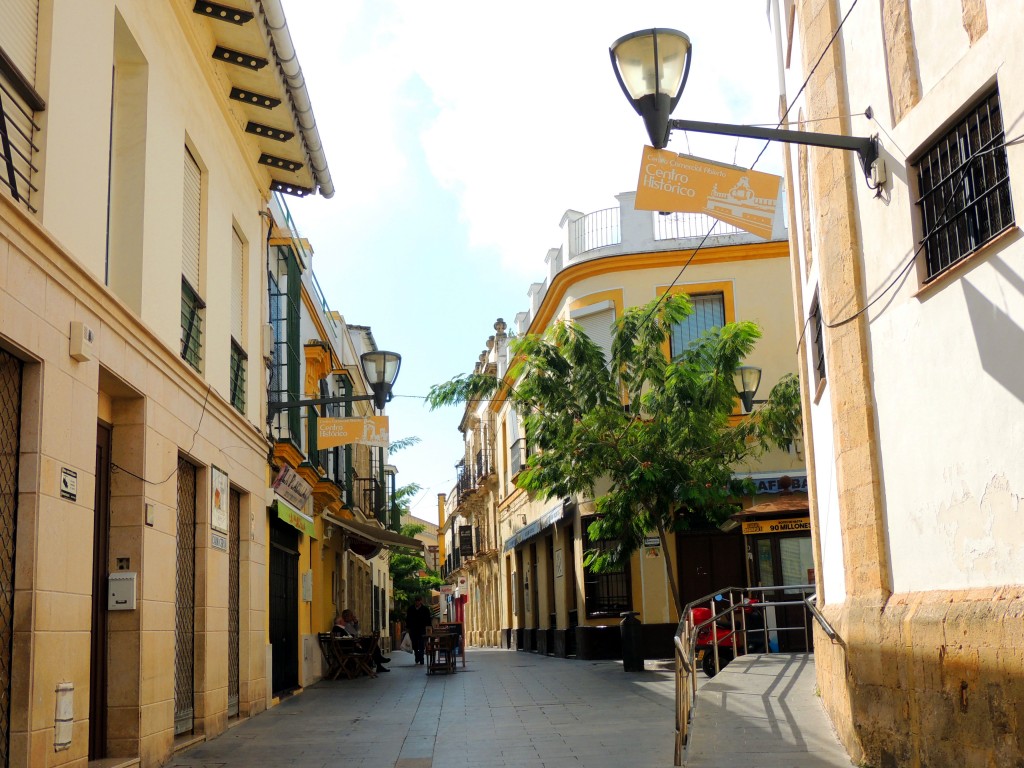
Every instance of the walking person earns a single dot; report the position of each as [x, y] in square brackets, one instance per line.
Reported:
[417, 619]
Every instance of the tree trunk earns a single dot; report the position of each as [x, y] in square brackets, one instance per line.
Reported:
[669, 570]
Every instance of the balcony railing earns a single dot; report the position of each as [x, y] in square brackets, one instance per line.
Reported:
[18, 131]
[518, 454]
[596, 230]
[370, 495]
[483, 463]
[679, 226]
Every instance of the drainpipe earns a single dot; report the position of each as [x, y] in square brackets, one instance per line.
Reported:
[273, 14]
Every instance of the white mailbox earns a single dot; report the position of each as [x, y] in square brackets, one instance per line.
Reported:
[121, 591]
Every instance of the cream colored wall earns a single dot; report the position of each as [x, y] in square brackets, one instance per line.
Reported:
[158, 407]
[184, 106]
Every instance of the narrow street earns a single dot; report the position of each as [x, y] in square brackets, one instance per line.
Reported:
[503, 709]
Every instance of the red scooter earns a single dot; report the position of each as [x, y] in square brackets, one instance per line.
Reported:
[725, 641]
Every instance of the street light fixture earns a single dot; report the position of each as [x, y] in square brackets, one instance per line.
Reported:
[746, 379]
[380, 369]
[652, 66]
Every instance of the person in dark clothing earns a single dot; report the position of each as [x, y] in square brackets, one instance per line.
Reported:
[347, 625]
[417, 619]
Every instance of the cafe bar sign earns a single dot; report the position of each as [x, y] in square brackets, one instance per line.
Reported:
[290, 486]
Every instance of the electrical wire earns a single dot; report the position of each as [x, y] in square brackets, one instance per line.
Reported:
[119, 468]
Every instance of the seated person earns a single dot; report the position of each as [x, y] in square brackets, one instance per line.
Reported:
[347, 625]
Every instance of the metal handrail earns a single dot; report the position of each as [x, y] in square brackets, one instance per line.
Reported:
[685, 642]
[828, 629]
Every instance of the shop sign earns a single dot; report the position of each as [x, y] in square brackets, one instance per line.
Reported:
[295, 518]
[670, 182]
[466, 540]
[768, 482]
[290, 486]
[447, 589]
[652, 541]
[791, 525]
[372, 431]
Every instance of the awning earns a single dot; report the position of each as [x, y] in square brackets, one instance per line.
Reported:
[554, 515]
[373, 536]
[295, 518]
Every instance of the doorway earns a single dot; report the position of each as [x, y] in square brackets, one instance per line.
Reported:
[707, 562]
[284, 606]
[784, 561]
[234, 573]
[100, 564]
[185, 601]
[10, 427]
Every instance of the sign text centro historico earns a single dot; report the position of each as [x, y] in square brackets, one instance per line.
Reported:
[743, 198]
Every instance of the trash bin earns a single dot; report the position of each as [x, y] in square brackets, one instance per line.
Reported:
[632, 647]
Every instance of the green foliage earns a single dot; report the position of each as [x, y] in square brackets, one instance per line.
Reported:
[409, 573]
[662, 432]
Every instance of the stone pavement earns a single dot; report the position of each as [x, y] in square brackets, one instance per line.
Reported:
[505, 709]
[763, 710]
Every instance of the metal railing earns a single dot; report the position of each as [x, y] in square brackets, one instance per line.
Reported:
[725, 605]
[595, 230]
[679, 226]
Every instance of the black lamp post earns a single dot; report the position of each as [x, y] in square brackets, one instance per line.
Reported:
[380, 369]
[652, 66]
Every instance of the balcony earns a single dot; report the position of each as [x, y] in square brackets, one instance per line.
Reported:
[518, 454]
[19, 134]
[483, 463]
[369, 495]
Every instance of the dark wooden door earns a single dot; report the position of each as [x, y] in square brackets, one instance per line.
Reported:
[284, 607]
[709, 561]
[100, 556]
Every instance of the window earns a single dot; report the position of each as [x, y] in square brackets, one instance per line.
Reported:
[964, 187]
[191, 325]
[608, 593]
[284, 319]
[817, 330]
[191, 247]
[237, 376]
[708, 313]
[597, 321]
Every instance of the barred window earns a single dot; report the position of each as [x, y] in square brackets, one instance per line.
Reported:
[708, 313]
[237, 376]
[608, 593]
[817, 330]
[964, 187]
[191, 325]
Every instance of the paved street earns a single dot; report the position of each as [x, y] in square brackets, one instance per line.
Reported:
[505, 709]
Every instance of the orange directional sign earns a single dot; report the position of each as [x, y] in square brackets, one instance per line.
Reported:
[671, 182]
[372, 430]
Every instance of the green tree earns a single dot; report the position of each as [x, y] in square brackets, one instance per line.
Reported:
[661, 434]
[409, 573]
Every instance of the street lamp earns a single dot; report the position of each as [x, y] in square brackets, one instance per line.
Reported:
[652, 66]
[746, 379]
[380, 369]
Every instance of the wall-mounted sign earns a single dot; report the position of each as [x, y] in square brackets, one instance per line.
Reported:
[447, 589]
[291, 487]
[372, 431]
[219, 541]
[652, 541]
[744, 198]
[466, 540]
[68, 484]
[792, 525]
[295, 518]
[769, 482]
[219, 520]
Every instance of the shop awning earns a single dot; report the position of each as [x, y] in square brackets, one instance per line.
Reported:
[377, 538]
[295, 518]
[554, 515]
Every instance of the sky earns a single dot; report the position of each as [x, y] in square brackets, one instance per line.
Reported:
[457, 134]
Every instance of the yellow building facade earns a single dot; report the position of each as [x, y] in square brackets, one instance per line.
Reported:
[609, 261]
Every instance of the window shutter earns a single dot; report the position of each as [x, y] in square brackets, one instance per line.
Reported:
[191, 218]
[18, 25]
[598, 327]
[237, 285]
